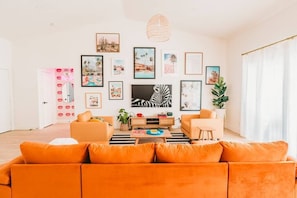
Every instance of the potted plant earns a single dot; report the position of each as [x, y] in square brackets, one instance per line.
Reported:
[123, 117]
[219, 97]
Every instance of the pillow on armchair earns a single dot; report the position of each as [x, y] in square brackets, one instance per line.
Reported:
[205, 113]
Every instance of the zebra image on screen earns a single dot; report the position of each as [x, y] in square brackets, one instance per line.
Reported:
[159, 95]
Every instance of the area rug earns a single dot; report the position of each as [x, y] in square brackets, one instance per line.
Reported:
[124, 139]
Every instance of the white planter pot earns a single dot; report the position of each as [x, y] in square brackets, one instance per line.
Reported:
[221, 113]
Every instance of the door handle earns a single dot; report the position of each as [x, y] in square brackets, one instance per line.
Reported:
[44, 103]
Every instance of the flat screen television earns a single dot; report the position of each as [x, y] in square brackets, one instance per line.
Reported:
[157, 95]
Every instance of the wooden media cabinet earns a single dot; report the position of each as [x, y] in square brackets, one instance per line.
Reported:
[152, 122]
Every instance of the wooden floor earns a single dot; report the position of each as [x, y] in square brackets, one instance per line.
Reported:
[10, 141]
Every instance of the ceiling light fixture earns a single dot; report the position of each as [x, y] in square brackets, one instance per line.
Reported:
[158, 28]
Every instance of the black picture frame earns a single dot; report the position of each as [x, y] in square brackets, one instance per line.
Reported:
[190, 95]
[92, 71]
[144, 62]
[212, 74]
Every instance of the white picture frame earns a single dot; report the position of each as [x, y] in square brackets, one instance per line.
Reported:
[118, 67]
[169, 63]
[93, 100]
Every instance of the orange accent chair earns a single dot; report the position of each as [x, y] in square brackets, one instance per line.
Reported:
[190, 124]
[89, 128]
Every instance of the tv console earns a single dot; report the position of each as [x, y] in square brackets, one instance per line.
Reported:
[152, 122]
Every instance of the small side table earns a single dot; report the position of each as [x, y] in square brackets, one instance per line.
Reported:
[205, 131]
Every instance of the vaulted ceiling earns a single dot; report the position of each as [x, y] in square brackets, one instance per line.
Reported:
[217, 18]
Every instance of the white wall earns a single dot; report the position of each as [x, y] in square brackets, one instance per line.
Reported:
[281, 26]
[6, 120]
[63, 49]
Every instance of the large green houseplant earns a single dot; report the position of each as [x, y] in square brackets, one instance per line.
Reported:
[123, 117]
[219, 97]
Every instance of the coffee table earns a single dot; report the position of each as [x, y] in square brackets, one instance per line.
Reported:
[141, 133]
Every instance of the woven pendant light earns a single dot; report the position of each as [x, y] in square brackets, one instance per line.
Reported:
[158, 28]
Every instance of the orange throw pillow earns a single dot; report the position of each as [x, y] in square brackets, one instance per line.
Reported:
[41, 153]
[188, 153]
[254, 152]
[112, 154]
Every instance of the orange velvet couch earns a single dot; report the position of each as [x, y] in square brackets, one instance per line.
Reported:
[89, 128]
[158, 170]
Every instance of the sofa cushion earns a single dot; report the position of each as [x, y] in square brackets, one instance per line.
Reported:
[205, 113]
[5, 169]
[112, 154]
[188, 153]
[254, 152]
[41, 153]
[84, 117]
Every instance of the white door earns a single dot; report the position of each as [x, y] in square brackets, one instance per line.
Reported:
[5, 103]
[46, 89]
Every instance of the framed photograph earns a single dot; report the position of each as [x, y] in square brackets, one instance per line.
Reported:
[115, 90]
[193, 63]
[212, 74]
[118, 67]
[144, 62]
[91, 70]
[93, 100]
[155, 95]
[169, 63]
[190, 95]
[107, 42]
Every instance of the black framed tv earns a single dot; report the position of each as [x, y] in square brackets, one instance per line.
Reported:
[155, 95]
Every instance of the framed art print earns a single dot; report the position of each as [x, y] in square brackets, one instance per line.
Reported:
[107, 42]
[190, 95]
[91, 70]
[118, 67]
[115, 90]
[193, 63]
[93, 100]
[212, 74]
[144, 62]
[169, 63]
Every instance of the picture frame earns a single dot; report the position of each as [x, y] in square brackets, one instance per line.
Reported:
[144, 62]
[190, 95]
[93, 100]
[118, 67]
[193, 63]
[92, 71]
[169, 63]
[108, 42]
[212, 74]
[115, 90]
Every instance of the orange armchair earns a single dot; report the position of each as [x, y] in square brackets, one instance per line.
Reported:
[88, 128]
[190, 124]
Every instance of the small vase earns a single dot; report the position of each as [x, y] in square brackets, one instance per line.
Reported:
[124, 127]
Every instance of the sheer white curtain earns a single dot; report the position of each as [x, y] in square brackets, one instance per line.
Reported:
[269, 92]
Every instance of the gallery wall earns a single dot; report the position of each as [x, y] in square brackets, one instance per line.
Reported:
[63, 49]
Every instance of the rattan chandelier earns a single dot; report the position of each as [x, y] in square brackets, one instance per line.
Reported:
[158, 28]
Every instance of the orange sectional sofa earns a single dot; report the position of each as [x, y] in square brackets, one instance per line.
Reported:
[159, 170]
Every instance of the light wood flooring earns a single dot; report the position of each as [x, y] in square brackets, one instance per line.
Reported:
[10, 141]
